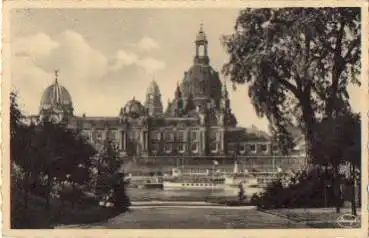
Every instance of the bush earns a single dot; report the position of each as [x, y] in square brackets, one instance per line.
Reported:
[308, 190]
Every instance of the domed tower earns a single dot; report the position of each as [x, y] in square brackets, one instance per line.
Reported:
[201, 80]
[153, 102]
[133, 108]
[56, 102]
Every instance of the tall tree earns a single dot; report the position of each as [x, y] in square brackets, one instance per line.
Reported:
[110, 177]
[297, 62]
[337, 141]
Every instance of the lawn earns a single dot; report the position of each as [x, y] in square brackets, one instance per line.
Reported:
[194, 218]
[314, 217]
[37, 217]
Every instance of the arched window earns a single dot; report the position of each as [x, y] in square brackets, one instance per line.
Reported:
[263, 148]
[194, 135]
[252, 148]
[214, 147]
[242, 148]
[154, 147]
[194, 148]
[181, 148]
[167, 148]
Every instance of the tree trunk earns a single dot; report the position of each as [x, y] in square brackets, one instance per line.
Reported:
[325, 178]
[336, 188]
[353, 197]
[26, 190]
[48, 191]
[308, 118]
[73, 193]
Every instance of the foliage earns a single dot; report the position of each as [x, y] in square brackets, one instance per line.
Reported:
[338, 140]
[282, 138]
[45, 154]
[110, 180]
[297, 62]
[304, 190]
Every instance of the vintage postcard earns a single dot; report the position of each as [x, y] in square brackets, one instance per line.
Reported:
[185, 119]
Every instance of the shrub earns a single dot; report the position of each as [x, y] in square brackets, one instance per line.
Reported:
[308, 190]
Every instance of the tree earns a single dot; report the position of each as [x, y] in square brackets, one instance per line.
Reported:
[297, 62]
[65, 154]
[15, 115]
[337, 141]
[282, 138]
[110, 180]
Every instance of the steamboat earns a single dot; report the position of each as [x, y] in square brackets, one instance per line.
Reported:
[195, 182]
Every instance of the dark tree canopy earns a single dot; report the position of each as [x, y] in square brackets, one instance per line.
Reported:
[338, 140]
[297, 62]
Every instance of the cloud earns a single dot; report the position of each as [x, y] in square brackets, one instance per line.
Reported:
[127, 59]
[35, 57]
[76, 59]
[39, 45]
[147, 44]
[28, 78]
[151, 65]
[124, 59]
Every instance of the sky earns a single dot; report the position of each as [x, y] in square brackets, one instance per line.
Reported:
[105, 57]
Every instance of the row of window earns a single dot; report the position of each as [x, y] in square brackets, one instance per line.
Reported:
[170, 136]
[181, 148]
[97, 135]
[253, 148]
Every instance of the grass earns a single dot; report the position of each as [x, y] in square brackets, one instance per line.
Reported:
[314, 217]
[36, 216]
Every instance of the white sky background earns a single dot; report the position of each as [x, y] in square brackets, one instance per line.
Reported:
[106, 57]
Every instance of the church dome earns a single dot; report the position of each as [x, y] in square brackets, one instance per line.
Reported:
[56, 96]
[153, 89]
[202, 81]
[134, 108]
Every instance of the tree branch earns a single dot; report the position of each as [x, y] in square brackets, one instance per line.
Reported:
[352, 46]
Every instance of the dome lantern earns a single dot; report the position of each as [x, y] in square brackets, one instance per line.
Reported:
[201, 43]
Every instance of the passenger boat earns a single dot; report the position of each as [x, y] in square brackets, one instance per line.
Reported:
[194, 182]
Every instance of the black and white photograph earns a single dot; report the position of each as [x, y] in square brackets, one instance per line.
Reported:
[186, 118]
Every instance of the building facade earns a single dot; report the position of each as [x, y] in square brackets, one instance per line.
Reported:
[197, 125]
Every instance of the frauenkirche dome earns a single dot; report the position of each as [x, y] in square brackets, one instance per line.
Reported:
[201, 80]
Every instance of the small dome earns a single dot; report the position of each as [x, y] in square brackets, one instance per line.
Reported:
[153, 89]
[134, 108]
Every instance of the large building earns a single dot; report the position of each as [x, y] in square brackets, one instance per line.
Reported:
[197, 126]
